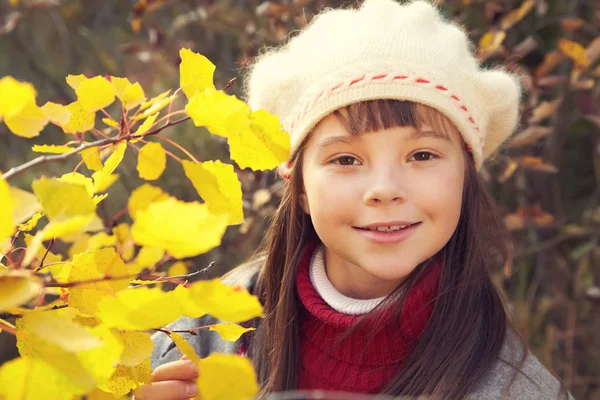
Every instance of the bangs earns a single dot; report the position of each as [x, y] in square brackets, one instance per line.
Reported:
[375, 115]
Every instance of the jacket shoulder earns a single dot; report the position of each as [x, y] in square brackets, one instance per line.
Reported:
[531, 381]
[205, 341]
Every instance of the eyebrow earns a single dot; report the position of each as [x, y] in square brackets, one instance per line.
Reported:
[415, 135]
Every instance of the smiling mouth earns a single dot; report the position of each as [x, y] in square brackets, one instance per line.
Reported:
[391, 228]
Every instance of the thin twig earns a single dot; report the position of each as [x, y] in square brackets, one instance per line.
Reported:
[45, 254]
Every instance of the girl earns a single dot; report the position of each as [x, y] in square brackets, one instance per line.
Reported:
[375, 277]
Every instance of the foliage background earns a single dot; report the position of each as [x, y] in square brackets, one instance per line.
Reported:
[547, 182]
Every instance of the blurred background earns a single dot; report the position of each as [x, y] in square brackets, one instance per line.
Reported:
[546, 178]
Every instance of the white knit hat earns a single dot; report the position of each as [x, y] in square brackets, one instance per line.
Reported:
[385, 50]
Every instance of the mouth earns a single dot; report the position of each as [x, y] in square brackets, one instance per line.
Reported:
[391, 227]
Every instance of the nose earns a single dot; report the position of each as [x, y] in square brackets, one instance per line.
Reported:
[385, 185]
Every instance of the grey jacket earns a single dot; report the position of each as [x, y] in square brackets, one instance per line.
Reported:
[533, 382]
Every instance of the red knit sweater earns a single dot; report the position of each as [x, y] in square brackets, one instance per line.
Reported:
[357, 365]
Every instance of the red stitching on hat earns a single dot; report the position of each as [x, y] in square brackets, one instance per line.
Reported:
[440, 87]
[421, 80]
[464, 108]
[336, 87]
[469, 148]
[471, 120]
[357, 80]
[380, 76]
[477, 129]
[455, 98]
[400, 77]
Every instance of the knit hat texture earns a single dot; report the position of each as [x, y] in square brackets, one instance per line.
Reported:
[385, 50]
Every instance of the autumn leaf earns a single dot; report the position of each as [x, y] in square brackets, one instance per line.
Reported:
[126, 378]
[75, 80]
[95, 93]
[264, 145]
[195, 73]
[14, 96]
[110, 122]
[536, 163]
[219, 187]
[26, 204]
[56, 113]
[60, 199]
[574, 51]
[146, 125]
[28, 122]
[154, 100]
[544, 110]
[51, 148]
[31, 378]
[227, 303]
[226, 376]
[516, 15]
[137, 347]
[230, 332]
[7, 207]
[142, 197]
[17, 288]
[92, 265]
[490, 42]
[220, 113]
[551, 61]
[183, 229]
[91, 158]
[529, 136]
[152, 161]
[80, 120]
[102, 177]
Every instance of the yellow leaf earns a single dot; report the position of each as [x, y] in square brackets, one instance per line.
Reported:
[177, 269]
[263, 146]
[145, 127]
[574, 51]
[154, 100]
[91, 158]
[126, 378]
[17, 287]
[137, 347]
[228, 303]
[490, 42]
[66, 227]
[125, 245]
[102, 184]
[139, 309]
[14, 96]
[51, 148]
[226, 376]
[59, 330]
[91, 265]
[63, 199]
[111, 164]
[95, 93]
[76, 177]
[85, 369]
[183, 229]
[7, 209]
[119, 84]
[110, 122]
[56, 113]
[143, 196]
[75, 80]
[222, 114]
[219, 187]
[79, 245]
[149, 256]
[26, 204]
[195, 72]
[81, 120]
[230, 332]
[31, 378]
[184, 347]
[154, 108]
[152, 161]
[516, 15]
[101, 239]
[29, 225]
[28, 122]
[133, 96]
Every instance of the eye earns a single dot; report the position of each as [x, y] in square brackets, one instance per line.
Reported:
[424, 156]
[345, 160]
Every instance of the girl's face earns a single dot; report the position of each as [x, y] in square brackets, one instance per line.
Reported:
[381, 179]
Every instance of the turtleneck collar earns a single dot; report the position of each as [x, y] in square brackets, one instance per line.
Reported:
[338, 301]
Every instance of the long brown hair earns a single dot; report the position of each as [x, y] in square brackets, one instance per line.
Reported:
[468, 324]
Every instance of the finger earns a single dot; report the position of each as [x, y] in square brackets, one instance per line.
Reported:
[167, 390]
[184, 357]
[183, 370]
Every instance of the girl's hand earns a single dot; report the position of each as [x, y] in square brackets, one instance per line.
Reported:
[171, 381]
